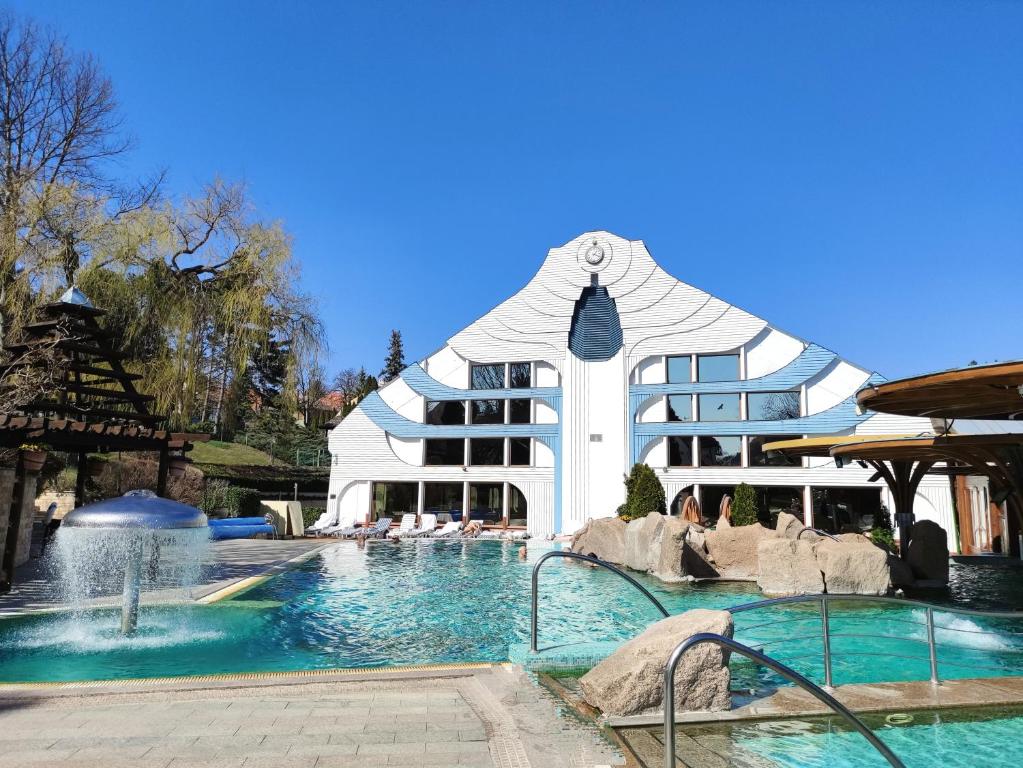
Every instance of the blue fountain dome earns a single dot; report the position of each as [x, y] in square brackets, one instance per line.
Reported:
[596, 330]
[135, 511]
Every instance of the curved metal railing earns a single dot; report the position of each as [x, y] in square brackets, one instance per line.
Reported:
[819, 532]
[775, 666]
[533, 630]
[822, 601]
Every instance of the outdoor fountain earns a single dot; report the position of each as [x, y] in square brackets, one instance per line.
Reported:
[129, 540]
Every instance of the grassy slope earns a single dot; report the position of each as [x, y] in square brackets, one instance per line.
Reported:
[217, 452]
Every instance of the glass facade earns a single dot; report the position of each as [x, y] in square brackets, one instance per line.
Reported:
[444, 452]
[448, 412]
[680, 369]
[519, 375]
[719, 407]
[394, 500]
[680, 451]
[723, 451]
[486, 502]
[486, 451]
[758, 458]
[488, 411]
[486, 376]
[516, 506]
[443, 500]
[772, 406]
[717, 368]
[680, 407]
[518, 451]
[519, 412]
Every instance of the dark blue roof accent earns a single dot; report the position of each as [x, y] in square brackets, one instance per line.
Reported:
[596, 331]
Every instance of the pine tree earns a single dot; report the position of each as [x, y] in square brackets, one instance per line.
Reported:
[643, 494]
[744, 505]
[395, 362]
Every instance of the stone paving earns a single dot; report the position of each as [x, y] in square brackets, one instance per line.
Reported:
[489, 717]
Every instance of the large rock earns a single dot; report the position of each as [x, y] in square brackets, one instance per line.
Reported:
[901, 575]
[788, 526]
[671, 560]
[642, 542]
[852, 568]
[628, 682]
[928, 552]
[734, 549]
[603, 538]
[788, 567]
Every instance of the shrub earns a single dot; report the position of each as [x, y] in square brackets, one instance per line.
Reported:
[882, 532]
[744, 505]
[241, 502]
[643, 494]
[311, 514]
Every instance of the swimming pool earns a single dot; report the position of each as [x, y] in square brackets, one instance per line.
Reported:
[423, 602]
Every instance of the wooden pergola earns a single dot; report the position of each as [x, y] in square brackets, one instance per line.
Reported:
[77, 398]
[901, 475]
[977, 392]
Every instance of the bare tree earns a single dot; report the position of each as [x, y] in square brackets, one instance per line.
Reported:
[59, 123]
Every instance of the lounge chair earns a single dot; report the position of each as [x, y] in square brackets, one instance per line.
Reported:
[375, 531]
[408, 523]
[426, 527]
[448, 530]
[325, 523]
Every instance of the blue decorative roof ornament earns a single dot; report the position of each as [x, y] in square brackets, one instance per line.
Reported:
[74, 296]
[596, 331]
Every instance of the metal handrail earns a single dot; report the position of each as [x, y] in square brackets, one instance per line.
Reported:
[819, 532]
[533, 631]
[822, 601]
[775, 666]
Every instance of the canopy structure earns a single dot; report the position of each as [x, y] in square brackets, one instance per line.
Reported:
[902, 475]
[979, 392]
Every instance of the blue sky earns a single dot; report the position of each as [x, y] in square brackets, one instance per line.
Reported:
[851, 171]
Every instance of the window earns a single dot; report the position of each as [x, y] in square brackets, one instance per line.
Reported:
[519, 411]
[758, 458]
[720, 451]
[486, 502]
[452, 412]
[487, 451]
[516, 506]
[519, 375]
[488, 411]
[518, 451]
[719, 407]
[717, 368]
[486, 376]
[772, 406]
[443, 500]
[444, 452]
[680, 407]
[680, 369]
[394, 499]
[680, 451]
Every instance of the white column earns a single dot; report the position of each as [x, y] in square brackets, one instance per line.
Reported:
[808, 506]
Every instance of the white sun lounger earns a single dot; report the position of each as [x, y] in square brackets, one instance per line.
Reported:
[426, 527]
[449, 529]
[407, 524]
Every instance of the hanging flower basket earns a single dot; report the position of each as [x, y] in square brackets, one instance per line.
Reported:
[32, 457]
[177, 465]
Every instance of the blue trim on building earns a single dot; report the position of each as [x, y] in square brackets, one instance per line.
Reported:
[596, 331]
[835, 419]
[394, 423]
[424, 384]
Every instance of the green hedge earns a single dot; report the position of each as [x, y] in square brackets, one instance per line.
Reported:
[241, 502]
[311, 514]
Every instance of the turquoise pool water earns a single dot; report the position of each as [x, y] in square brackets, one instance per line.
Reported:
[449, 601]
[985, 738]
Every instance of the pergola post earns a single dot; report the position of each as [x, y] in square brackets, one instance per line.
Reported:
[902, 480]
[162, 471]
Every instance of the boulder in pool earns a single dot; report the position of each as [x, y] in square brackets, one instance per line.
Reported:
[788, 567]
[788, 526]
[734, 549]
[603, 538]
[642, 542]
[670, 564]
[928, 553]
[853, 567]
[628, 682]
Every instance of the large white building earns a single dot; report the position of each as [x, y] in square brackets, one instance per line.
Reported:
[536, 412]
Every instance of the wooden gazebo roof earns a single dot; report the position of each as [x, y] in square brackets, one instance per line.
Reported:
[979, 392]
[821, 446]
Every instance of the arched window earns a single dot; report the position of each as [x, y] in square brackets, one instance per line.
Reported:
[516, 506]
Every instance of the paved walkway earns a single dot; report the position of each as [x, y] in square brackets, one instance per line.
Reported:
[489, 717]
[228, 562]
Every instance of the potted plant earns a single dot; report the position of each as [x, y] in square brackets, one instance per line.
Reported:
[32, 456]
